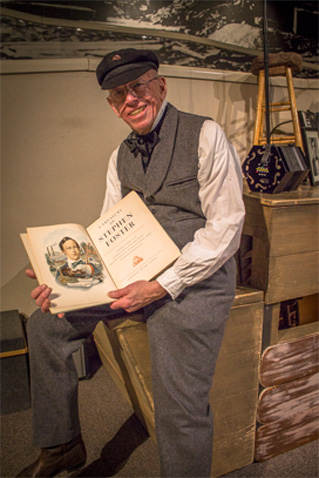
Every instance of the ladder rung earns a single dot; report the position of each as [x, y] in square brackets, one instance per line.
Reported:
[282, 103]
[281, 140]
[278, 108]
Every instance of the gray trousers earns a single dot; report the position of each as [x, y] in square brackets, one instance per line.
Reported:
[184, 335]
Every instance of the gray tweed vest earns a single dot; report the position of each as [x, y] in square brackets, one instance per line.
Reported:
[170, 186]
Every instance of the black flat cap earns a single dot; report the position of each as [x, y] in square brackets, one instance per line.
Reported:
[125, 65]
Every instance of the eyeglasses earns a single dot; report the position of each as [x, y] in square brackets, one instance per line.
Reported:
[138, 90]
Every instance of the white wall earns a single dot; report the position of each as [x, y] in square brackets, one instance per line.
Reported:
[58, 132]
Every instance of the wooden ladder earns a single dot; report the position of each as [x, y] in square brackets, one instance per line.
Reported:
[259, 137]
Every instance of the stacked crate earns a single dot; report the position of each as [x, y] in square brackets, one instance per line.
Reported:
[124, 350]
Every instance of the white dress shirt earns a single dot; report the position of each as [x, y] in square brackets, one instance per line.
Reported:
[220, 194]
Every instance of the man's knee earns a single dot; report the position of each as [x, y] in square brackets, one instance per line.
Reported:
[39, 324]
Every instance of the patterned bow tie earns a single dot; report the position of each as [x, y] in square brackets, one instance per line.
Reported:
[74, 264]
[143, 144]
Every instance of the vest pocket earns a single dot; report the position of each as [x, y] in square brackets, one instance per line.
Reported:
[184, 217]
[180, 183]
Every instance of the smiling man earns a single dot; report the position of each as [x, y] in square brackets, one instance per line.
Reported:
[189, 175]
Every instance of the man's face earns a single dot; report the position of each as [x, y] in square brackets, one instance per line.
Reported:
[71, 250]
[140, 113]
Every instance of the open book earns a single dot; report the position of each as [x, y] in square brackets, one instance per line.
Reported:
[81, 265]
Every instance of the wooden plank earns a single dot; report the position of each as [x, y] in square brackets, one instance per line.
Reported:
[299, 223]
[254, 224]
[234, 453]
[303, 195]
[286, 335]
[260, 264]
[106, 351]
[279, 437]
[271, 324]
[280, 402]
[246, 296]
[234, 414]
[113, 371]
[292, 276]
[287, 361]
[136, 354]
[243, 329]
[108, 346]
[107, 342]
[236, 372]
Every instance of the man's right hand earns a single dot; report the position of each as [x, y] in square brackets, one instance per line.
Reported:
[41, 293]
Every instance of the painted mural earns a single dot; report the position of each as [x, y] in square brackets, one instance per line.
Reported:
[221, 34]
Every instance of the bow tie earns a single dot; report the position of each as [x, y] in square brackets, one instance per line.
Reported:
[74, 264]
[143, 144]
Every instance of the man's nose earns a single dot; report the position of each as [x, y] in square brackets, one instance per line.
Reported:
[130, 97]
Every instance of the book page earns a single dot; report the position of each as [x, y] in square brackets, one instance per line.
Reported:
[131, 242]
[64, 257]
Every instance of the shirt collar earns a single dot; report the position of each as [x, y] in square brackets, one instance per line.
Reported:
[159, 115]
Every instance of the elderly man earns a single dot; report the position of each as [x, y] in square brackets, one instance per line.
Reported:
[188, 173]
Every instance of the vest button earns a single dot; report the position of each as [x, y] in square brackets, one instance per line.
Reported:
[150, 200]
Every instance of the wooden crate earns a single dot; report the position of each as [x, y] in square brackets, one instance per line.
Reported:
[106, 340]
[288, 406]
[284, 228]
[236, 382]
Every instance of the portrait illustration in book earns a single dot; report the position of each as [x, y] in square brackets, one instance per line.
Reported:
[74, 264]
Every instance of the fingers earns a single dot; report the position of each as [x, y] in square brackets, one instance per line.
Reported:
[117, 294]
[132, 297]
[41, 289]
[45, 306]
[121, 304]
[41, 296]
[124, 300]
[136, 295]
[30, 273]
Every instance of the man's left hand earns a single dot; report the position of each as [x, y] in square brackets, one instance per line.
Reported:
[136, 295]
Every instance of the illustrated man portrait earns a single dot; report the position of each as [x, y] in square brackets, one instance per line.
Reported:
[75, 270]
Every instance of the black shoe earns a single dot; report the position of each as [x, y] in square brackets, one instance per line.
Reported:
[70, 456]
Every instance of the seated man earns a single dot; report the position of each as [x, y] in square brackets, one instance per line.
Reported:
[187, 172]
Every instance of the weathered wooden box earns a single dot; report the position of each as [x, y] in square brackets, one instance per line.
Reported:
[123, 347]
[285, 232]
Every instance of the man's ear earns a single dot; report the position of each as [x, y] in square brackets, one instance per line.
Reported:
[163, 87]
[113, 108]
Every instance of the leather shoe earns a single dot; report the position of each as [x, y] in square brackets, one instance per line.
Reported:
[69, 456]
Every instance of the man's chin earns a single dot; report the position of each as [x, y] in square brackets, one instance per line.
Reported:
[141, 125]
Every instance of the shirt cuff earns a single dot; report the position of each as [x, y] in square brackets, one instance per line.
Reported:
[171, 282]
